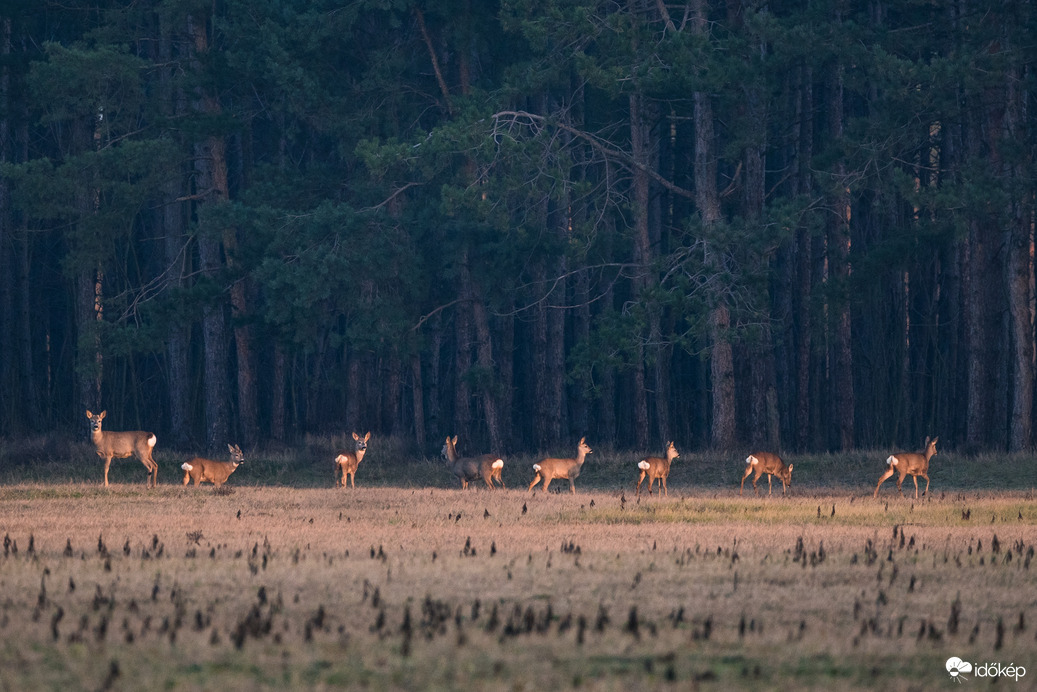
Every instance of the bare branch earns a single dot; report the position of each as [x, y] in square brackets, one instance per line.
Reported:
[598, 144]
[435, 61]
[391, 197]
[426, 317]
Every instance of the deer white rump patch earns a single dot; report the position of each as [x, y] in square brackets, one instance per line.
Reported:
[499, 464]
[643, 465]
[892, 460]
[186, 467]
[751, 460]
[536, 467]
[152, 440]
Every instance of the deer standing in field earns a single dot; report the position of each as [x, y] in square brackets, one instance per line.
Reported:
[120, 445]
[216, 472]
[914, 463]
[346, 463]
[656, 467]
[771, 464]
[487, 466]
[549, 469]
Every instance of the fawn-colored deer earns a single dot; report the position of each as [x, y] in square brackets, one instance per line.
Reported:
[216, 472]
[549, 469]
[771, 464]
[346, 463]
[487, 466]
[120, 445]
[657, 467]
[914, 463]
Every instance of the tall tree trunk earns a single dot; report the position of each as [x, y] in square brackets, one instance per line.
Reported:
[7, 274]
[580, 417]
[839, 273]
[392, 383]
[172, 220]
[505, 354]
[435, 373]
[210, 166]
[178, 343]
[463, 363]
[981, 326]
[640, 146]
[355, 413]
[707, 199]
[248, 416]
[213, 159]
[544, 412]
[89, 285]
[985, 299]
[1020, 277]
[763, 394]
[30, 401]
[804, 282]
[484, 353]
[278, 394]
[418, 400]
[556, 355]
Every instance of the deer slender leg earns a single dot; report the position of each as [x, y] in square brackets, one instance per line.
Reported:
[536, 479]
[748, 470]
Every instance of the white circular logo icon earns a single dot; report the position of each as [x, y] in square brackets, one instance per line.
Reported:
[957, 668]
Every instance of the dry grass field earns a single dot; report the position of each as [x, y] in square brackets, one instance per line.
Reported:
[289, 586]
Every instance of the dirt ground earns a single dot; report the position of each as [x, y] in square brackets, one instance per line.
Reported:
[389, 588]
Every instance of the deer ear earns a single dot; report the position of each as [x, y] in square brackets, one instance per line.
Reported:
[102, 414]
[454, 441]
[355, 436]
[367, 436]
[935, 440]
[88, 414]
[230, 447]
[583, 440]
[790, 468]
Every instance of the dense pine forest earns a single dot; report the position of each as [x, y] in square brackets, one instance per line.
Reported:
[805, 224]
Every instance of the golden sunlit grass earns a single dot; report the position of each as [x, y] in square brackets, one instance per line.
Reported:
[274, 587]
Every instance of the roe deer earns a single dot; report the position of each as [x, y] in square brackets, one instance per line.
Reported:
[121, 445]
[914, 463]
[216, 472]
[550, 469]
[346, 463]
[772, 465]
[657, 467]
[487, 466]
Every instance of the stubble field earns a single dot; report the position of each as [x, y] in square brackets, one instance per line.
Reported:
[269, 587]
